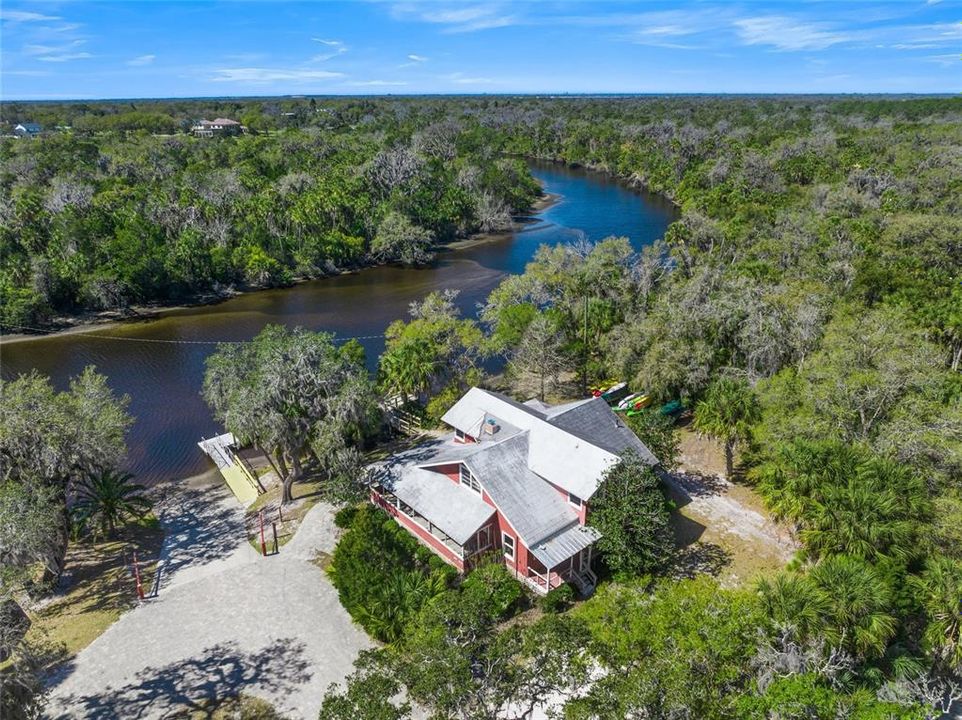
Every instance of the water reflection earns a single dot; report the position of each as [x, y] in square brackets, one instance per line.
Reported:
[164, 379]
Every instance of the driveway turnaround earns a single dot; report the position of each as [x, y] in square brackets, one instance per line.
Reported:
[225, 620]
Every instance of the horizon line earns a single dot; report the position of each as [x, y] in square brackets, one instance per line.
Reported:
[533, 94]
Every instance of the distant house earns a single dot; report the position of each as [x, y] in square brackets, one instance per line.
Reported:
[218, 126]
[513, 478]
[27, 129]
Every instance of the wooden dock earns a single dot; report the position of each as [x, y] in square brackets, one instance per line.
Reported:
[237, 474]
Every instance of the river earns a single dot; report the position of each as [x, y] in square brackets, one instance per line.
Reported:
[163, 379]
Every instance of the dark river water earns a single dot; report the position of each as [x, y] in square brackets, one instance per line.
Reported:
[163, 379]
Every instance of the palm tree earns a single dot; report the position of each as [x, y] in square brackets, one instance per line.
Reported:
[939, 590]
[727, 413]
[858, 604]
[799, 471]
[107, 499]
[408, 368]
[793, 600]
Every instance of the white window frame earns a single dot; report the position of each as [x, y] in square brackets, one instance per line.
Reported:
[507, 543]
[468, 479]
[572, 498]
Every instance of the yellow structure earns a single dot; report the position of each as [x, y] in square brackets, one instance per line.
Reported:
[220, 449]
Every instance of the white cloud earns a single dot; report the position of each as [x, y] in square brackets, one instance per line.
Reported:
[785, 33]
[375, 83]
[269, 75]
[948, 60]
[339, 48]
[64, 58]
[52, 49]
[462, 79]
[459, 18]
[23, 16]
[415, 60]
[142, 60]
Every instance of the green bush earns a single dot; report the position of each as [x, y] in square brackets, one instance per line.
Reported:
[344, 517]
[382, 575]
[558, 599]
[492, 585]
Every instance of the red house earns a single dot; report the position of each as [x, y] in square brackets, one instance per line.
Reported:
[510, 476]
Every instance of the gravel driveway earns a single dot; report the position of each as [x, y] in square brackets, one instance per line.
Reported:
[225, 620]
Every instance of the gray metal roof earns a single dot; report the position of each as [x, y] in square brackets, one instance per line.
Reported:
[570, 446]
[594, 421]
[532, 506]
[457, 511]
[564, 544]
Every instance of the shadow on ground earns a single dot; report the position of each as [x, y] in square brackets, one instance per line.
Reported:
[699, 558]
[203, 524]
[193, 687]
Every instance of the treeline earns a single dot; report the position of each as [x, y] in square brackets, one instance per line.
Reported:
[108, 219]
[808, 307]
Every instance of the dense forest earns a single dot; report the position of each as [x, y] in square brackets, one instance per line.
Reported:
[123, 209]
[807, 306]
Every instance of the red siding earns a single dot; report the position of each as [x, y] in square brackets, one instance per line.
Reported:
[419, 532]
[582, 511]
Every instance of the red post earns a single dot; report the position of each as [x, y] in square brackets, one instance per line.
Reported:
[140, 587]
[263, 543]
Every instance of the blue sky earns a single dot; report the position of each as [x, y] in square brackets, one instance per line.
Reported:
[75, 49]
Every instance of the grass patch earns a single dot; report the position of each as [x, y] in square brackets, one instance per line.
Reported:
[100, 587]
[288, 518]
[238, 707]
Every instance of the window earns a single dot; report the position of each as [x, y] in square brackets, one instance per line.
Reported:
[484, 538]
[508, 543]
[574, 500]
[469, 480]
[459, 436]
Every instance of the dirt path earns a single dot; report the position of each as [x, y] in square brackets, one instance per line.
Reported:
[723, 527]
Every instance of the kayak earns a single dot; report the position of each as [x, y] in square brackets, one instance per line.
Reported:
[672, 408]
[639, 405]
[626, 403]
[611, 393]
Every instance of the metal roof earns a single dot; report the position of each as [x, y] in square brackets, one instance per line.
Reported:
[570, 446]
[457, 511]
[534, 508]
[594, 421]
[564, 544]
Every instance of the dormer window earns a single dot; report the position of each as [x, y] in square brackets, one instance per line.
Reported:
[575, 500]
[460, 436]
[469, 480]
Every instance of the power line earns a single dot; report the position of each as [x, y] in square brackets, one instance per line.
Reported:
[96, 334]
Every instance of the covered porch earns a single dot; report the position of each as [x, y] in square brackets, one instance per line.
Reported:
[563, 558]
[444, 516]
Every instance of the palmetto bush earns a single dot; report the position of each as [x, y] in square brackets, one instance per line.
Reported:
[106, 500]
[383, 576]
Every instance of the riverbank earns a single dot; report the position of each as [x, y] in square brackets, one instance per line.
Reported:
[160, 363]
[96, 322]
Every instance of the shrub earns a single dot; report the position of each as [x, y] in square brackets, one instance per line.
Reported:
[381, 575]
[344, 517]
[492, 585]
[558, 599]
